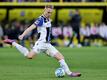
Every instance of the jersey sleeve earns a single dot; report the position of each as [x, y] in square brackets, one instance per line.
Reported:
[39, 22]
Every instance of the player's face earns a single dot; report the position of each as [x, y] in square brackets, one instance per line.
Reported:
[48, 12]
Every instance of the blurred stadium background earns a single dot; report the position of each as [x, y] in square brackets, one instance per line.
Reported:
[17, 15]
[90, 59]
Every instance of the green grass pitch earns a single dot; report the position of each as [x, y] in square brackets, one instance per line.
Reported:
[91, 62]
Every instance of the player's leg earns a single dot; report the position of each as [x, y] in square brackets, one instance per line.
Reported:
[24, 50]
[31, 54]
[57, 55]
[21, 49]
[62, 62]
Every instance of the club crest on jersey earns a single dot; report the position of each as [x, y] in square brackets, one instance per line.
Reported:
[37, 22]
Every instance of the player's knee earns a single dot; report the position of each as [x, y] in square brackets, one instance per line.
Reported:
[59, 56]
[29, 57]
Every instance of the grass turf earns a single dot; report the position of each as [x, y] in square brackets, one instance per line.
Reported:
[91, 62]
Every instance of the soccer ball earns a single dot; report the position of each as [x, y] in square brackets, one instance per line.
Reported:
[59, 72]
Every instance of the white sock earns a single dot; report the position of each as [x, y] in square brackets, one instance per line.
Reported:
[65, 66]
[21, 49]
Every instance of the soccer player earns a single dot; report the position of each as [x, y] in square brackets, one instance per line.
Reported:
[43, 25]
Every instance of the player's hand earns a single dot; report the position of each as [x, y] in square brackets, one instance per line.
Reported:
[20, 37]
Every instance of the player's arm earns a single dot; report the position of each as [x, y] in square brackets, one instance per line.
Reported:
[37, 23]
[33, 26]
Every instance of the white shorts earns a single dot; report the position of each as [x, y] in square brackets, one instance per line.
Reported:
[42, 47]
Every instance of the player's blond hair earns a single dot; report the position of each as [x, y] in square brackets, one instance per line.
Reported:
[49, 6]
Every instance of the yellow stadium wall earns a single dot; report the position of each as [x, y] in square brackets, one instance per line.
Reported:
[2, 14]
[88, 15]
[29, 14]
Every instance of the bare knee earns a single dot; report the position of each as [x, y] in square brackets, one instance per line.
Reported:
[59, 56]
[30, 55]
